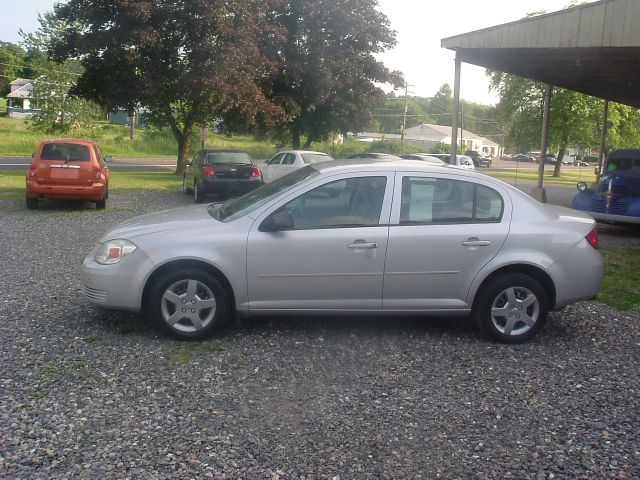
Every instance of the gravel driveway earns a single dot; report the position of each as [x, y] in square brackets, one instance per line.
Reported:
[92, 394]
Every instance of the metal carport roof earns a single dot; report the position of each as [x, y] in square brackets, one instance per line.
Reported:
[592, 48]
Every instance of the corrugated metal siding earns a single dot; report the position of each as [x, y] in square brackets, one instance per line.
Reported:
[606, 23]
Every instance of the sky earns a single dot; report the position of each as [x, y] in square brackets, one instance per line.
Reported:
[420, 26]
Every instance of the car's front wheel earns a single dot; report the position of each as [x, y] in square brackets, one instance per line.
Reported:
[190, 304]
[512, 308]
[198, 197]
[185, 186]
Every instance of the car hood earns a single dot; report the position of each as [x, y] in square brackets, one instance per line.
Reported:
[185, 218]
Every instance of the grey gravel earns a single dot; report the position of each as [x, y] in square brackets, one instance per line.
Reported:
[92, 394]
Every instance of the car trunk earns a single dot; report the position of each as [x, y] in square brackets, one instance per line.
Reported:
[65, 173]
[234, 171]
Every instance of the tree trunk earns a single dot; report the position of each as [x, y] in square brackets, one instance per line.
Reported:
[556, 168]
[183, 137]
[307, 144]
[295, 137]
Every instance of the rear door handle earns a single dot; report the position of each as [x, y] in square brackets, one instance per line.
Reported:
[362, 244]
[476, 242]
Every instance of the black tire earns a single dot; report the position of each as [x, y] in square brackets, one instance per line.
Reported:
[198, 197]
[32, 203]
[193, 319]
[185, 187]
[102, 204]
[522, 300]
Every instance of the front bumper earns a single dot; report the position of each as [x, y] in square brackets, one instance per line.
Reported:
[118, 286]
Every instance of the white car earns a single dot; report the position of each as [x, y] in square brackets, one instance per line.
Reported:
[290, 160]
[461, 161]
[353, 237]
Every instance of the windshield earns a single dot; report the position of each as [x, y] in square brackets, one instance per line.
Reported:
[310, 158]
[626, 164]
[247, 203]
[227, 157]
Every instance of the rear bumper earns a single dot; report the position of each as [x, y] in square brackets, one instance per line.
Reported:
[94, 191]
[229, 187]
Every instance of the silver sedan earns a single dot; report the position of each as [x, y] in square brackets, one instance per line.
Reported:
[352, 237]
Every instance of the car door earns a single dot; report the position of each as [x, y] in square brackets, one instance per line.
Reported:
[270, 170]
[288, 164]
[190, 168]
[333, 256]
[443, 230]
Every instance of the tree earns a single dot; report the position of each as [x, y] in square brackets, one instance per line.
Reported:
[574, 116]
[186, 62]
[12, 66]
[326, 68]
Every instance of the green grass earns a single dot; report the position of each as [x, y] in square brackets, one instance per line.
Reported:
[185, 352]
[621, 286]
[567, 177]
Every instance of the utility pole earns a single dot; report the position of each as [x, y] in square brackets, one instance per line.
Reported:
[461, 128]
[132, 130]
[456, 106]
[603, 139]
[404, 117]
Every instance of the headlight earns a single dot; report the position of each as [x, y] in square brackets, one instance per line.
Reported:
[113, 251]
[582, 186]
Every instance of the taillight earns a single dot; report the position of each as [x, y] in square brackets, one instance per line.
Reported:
[32, 170]
[98, 171]
[208, 170]
[255, 172]
[592, 237]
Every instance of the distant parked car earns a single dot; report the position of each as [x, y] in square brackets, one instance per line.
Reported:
[424, 157]
[220, 174]
[290, 160]
[523, 158]
[479, 159]
[375, 155]
[461, 161]
[68, 169]
[352, 237]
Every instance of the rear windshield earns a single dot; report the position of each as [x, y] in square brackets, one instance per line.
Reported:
[65, 151]
[315, 157]
[628, 164]
[227, 157]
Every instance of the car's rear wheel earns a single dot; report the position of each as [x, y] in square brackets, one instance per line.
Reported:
[190, 304]
[32, 203]
[101, 204]
[185, 186]
[512, 308]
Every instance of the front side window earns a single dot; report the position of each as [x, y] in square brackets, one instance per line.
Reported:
[351, 202]
[441, 201]
[289, 158]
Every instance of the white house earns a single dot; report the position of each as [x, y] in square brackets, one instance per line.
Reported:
[428, 135]
[20, 97]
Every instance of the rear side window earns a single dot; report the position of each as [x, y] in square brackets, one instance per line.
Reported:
[228, 157]
[65, 151]
[315, 158]
[442, 200]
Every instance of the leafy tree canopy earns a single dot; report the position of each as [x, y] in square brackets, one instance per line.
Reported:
[186, 62]
[326, 70]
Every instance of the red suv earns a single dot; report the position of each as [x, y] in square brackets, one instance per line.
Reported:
[68, 169]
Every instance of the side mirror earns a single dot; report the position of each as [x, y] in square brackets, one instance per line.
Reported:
[108, 159]
[277, 222]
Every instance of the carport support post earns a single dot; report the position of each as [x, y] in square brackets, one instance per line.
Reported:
[456, 113]
[540, 193]
[603, 140]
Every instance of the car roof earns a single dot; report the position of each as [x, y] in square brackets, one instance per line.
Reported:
[71, 141]
[224, 150]
[302, 151]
